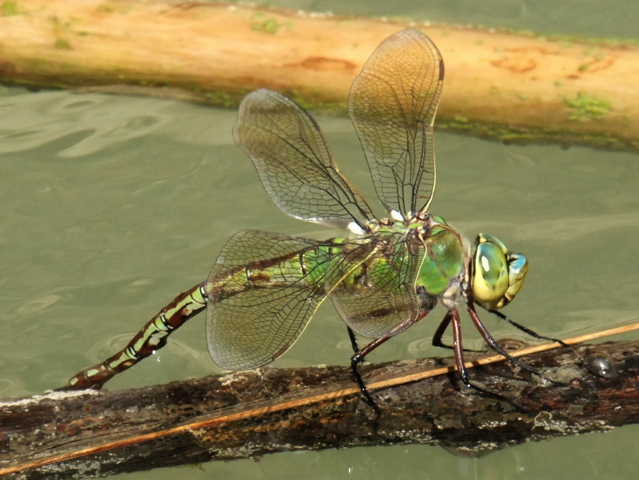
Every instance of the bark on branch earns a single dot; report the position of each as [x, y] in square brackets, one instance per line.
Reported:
[274, 410]
[509, 86]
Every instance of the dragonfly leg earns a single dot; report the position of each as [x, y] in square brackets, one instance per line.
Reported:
[439, 333]
[362, 387]
[532, 333]
[527, 330]
[357, 376]
[458, 347]
[148, 340]
[360, 355]
[353, 339]
[490, 340]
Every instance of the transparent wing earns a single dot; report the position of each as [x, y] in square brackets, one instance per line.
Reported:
[293, 162]
[264, 289]
[384, 294]
[393, 102]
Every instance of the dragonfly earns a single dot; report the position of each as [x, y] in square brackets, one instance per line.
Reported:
[384, 274]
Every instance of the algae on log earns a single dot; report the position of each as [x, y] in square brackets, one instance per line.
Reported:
[89, 433]
[502, 85]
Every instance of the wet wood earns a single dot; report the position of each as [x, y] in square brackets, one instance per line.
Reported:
[90, 434]
[509, 86]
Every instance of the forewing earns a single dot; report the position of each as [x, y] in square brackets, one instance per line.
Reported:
[393, 102]
[263, 290]
[293, 162]
[381, 294]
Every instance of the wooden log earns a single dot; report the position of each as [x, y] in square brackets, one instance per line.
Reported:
[92, 434]
[509, 86]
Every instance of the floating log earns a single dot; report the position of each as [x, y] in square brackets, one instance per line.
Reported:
[510, 86]
[91, 434]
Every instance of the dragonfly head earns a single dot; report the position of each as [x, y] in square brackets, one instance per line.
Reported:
[497, 273]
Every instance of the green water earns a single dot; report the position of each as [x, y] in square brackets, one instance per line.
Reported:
[112, 205]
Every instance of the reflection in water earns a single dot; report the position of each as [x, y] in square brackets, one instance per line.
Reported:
[39, 304]
[105, 120]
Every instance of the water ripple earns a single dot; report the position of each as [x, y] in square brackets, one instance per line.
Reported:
[42, 117]
[39, 118]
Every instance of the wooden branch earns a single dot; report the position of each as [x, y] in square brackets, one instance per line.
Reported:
[502, 85]
[93, 434]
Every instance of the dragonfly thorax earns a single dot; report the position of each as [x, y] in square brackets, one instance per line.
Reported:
[443, 270]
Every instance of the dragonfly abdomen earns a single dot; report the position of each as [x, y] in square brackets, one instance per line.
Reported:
[304, 268]
[150, 338]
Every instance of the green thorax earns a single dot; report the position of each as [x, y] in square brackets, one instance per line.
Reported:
[444, 259]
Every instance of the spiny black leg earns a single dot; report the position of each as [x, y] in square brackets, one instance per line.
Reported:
[490, 340]
[358, 358]
[360, 355]
[527, 330]
[534, 334]
[461, 368]
[439, 333]
[353, 339]
[355, 360]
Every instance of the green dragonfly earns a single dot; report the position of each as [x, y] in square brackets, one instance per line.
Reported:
[384, 274]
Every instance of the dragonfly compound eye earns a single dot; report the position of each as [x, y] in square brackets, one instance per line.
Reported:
[517, 270]
[498, 274]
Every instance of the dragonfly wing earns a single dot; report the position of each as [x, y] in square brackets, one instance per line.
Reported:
[293, 161]
[264, 289]
[393, 102]
[381, 293]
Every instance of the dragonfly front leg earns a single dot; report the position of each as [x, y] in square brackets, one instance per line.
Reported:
[526, 330]
[147, 341]
[458, 348]
[360, 354]
[439, 333]
[490, 340]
